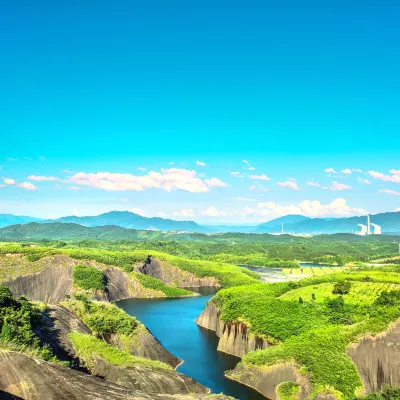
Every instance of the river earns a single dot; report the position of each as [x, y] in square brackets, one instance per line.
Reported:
[171, 321]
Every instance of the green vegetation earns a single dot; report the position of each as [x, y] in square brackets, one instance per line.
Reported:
[88, 278]
[18, 319]
[102, 318]
[86, 346]
[227, 274]
[287, 390]
[388, 393]
[334, 311]
[153, 283]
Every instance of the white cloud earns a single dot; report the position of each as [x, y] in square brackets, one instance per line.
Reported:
[42, 158]
[316, 184]
[244, 199]
[251, 169]
[261, 177]
[357, 170]
[395, 177]
[9, 181]
[125, 200]
[395, 171]
[330, 171]
[291, 184]
[41, 178]
[213, 212]
[312, 208]
[202, 164]
[215, 182]
[237, 174]
[246, 162]
[336, 186]
[258, 188]
[185, 212]
[366, 181]
[26, 185]
[392, 192]
[75, 188]
[142, 169]
[346, 171]
[171, 163]
[168, 179]
[12, 159]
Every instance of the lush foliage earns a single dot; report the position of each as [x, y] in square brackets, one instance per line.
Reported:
[102, 318]
[88, 278]
[287, 390]
[86, 346]
[227, 274]
[153, 283]
[316, 331]
[18, 319]
[388, 393]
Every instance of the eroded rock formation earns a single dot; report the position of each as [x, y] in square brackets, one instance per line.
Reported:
[30, 379]
[265, 380]
[174, 276]
[234, 337]
[378, 359]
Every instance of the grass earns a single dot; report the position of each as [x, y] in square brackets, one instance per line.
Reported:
[88, 278]
[287, 390]
[155, 284]
[315, 331]
[86, 346]
[228, 275]
[101, 317]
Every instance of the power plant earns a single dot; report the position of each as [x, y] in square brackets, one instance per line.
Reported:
[366, 229]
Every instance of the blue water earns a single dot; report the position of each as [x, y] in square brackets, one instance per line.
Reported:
[171, 321]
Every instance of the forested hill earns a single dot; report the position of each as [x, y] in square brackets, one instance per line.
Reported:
[10, 219]
[390, 223]
[68, 231]
[126, 219]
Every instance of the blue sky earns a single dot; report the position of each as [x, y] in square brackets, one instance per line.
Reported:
[91, 91]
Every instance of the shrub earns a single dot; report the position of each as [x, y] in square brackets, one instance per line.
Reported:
[341, 288]
[88, 278]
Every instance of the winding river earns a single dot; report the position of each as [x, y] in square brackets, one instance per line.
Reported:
[171, 321]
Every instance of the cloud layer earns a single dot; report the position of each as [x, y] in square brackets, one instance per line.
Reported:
[168, 179]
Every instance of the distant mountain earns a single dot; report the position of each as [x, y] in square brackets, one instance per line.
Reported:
[390, 223]
[10, 219]
[126, 219]
[275, 225]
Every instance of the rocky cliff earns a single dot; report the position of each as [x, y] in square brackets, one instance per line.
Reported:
[54, 281]
[144, 344]
[378, 359]
[146, 379]
[234, 337]
[23, 377]
[174, 276]
[265, 380]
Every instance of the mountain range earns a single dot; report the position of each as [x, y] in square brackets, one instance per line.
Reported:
[296, 224]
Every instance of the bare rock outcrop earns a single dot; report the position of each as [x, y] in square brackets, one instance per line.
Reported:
[27, 378]
[378, 359]
[49, 285]
[146, 379]
[174, 276]
[265, 380]
[58, 323]
[234, 337]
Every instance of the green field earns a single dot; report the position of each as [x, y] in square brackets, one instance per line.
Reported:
[311, 321]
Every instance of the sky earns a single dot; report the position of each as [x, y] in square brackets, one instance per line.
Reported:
[212, 111]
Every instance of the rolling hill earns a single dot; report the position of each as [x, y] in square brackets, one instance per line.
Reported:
[10, 219]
